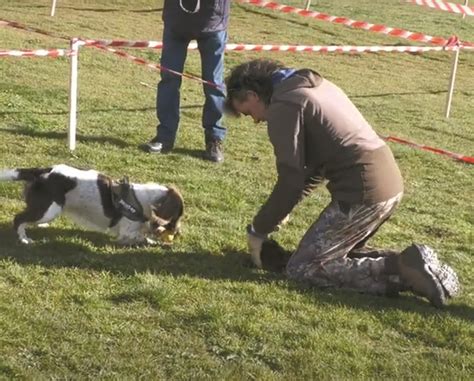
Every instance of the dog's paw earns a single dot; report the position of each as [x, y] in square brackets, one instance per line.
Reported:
[26, 241]
[150, 242]
[43, 225]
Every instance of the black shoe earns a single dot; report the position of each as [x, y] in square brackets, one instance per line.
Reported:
[214, 151]
[155, 146]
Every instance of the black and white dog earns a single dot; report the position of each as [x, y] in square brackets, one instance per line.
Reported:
[131, 212]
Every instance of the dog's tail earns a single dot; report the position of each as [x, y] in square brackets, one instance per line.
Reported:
[22, 174]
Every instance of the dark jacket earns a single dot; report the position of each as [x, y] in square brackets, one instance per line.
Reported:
[316, 133]
[212, 16]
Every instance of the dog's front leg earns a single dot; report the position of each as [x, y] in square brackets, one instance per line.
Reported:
[130, 233]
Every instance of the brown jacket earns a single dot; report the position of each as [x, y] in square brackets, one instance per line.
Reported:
[317, 133]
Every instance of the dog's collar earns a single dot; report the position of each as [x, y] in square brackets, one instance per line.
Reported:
[126, 202]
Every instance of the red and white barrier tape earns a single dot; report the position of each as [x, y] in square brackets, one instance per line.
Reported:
[285, 48]
[341, 48]
[449, 45]
[444, 6]
[36, 53]
[125, 43]
[141, 61]
[453, 155]
[377, 28]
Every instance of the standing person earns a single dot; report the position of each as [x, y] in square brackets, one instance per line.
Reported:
[317, 133]
[185, 20]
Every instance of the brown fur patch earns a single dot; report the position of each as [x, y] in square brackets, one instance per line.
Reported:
[170, 208]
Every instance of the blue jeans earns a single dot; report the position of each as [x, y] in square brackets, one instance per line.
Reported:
[211, 48]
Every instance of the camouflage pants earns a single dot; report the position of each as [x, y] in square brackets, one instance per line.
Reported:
[322, 258]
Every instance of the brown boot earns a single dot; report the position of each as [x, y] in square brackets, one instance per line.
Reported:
[423, 274]
[214, 151]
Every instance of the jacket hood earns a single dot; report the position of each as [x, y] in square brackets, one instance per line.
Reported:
[304, 78]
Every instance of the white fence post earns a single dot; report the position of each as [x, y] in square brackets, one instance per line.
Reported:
[452, 79]
[53, 7]
[454, 68]
[73, 94]
[308, 4]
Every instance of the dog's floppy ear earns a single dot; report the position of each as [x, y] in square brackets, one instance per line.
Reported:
[170, 208]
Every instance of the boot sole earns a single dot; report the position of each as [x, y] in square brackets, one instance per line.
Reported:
[422, 265]
[448, 279]
[445, 275]
[444, 278]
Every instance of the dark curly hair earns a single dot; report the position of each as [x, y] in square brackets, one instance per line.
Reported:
[255, 75]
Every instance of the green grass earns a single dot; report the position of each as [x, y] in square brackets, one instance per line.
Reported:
[76, 306]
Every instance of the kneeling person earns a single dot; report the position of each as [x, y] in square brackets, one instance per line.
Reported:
[318, 134]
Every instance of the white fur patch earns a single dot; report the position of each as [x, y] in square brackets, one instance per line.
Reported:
[8, 174]
[53, 211]
[22, 235]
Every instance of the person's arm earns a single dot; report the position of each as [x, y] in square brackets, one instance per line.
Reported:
[286, 132]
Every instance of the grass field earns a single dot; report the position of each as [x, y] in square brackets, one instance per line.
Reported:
[76, 306]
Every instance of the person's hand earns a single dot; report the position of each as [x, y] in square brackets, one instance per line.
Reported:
[255, 242]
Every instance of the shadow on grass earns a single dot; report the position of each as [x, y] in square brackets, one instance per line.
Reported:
[379, 95]
[31, 132]
[57, 248]
[197, 153]
[306, 24]
[65, 112]
[71, 248]
[100, 10]
[104, 10]
[449, 133]
[91, 111]
[380, 304]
